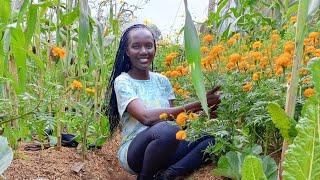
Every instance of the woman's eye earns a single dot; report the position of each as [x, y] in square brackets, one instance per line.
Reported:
[150, 46]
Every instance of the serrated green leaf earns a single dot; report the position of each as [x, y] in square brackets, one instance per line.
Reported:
[6, 154]
[252, 169]
[302, 160]
[192, 50]
[282, 121]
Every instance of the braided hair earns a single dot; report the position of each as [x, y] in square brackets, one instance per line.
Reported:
[121, 64]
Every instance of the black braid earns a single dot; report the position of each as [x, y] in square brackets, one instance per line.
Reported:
[121, 64]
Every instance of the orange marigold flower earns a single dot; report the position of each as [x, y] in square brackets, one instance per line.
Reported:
[181, 119]
[306, 81]
[175, 74]
[58, 52]
[317, 52]
[309, 92]
[193, 116]
[247, 87]
[257, 45]
[231, 41]
[207, 38]
[314, 35]
[289, 47]
[303, 71]
[236, 36]
[90, 91]
[163, 116]
[275, 37]
[76, 85]
[234, 58]
[204, 49]
[256, 76]
[293, 19]
[181, 135]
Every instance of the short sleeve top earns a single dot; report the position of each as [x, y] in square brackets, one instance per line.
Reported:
[154, 92]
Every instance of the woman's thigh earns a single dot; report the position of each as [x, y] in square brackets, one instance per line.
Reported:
[163, 131]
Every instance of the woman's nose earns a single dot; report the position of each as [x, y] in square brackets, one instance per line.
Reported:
[143, 50]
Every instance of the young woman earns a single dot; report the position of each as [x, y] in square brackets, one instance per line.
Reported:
[138, 96]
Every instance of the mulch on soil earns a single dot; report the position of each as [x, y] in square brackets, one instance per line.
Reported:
[100, 164]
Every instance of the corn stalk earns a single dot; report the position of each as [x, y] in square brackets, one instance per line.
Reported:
[301, 30]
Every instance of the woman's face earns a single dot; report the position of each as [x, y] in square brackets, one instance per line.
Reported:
[141, 48]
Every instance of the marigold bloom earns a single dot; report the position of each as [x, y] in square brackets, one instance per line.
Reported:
[275, 37]
[303, 71]
[163, 116]
[207, 38]
[181, 119]
[58, 52]
[257, 45]
[76, 85]
[234, 58]
[314, 35]
[90, 91]
[316, 52]
[247, 87]
[309, 92]
[175, 74]
[256, 76]
[293, 19]
[193, 116]
[306, 81]
[204, 49]
[236, 36]
[289, 47]
[231, 41]
[181, 135]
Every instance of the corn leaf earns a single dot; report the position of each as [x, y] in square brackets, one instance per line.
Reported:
[5, 11]
[302, 160]
[31, 23]
[18, 46]
[83, 27]
[252, 169]
[6, 154]
[282, 121]
[69, 18]
[192, 50]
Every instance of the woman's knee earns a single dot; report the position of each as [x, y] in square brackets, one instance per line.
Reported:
[166, 132]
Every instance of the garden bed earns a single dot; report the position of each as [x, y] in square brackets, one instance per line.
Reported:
[100, 164]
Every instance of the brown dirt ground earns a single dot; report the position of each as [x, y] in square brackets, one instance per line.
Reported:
[100, 164]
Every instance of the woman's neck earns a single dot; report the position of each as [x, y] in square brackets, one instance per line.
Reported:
[139, 74]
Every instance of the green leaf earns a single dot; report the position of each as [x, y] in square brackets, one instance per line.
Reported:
[22, 11]
[5, 11]
[302, 160]
[18, 49]
[270, 168]
[282, 121]
[229, 166]
[252, 169]
[192, 49]
[31, 23]
[6, 154]
[83, 27]
[101, 140]
[315, 71]
[69, 18]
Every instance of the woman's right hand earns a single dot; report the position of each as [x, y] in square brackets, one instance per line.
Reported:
[213, 100]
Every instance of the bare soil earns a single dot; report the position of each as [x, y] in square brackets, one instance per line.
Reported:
[58, 164]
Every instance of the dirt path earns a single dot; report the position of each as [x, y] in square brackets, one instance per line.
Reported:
[101, 164]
